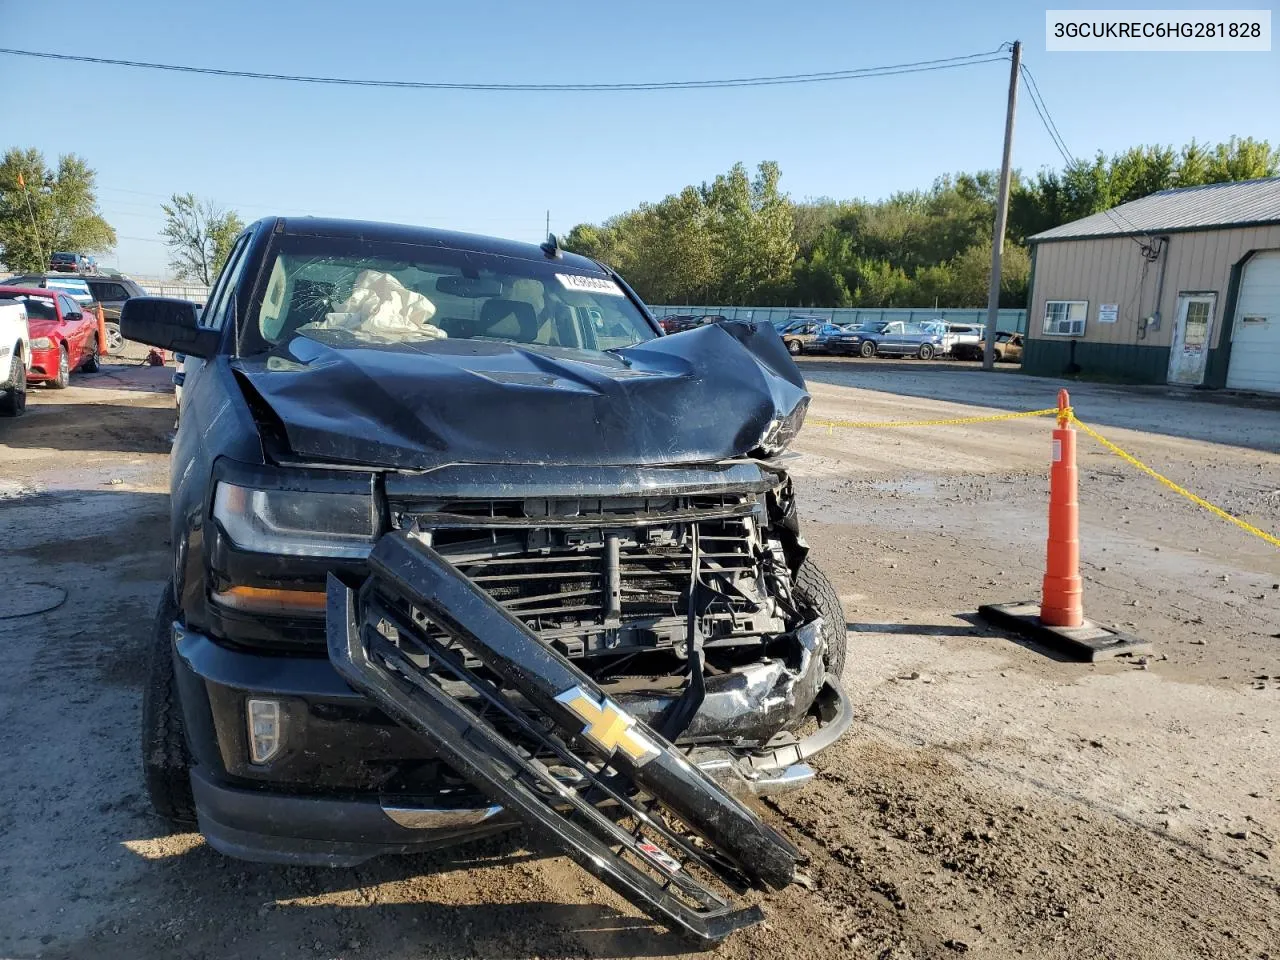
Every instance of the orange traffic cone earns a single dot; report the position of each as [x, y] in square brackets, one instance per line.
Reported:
[1062, 603]
[102, 332]
[1060, 622]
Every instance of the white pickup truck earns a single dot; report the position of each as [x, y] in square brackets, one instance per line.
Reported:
[15, 357]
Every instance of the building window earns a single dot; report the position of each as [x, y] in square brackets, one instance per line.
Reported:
[1065, 318]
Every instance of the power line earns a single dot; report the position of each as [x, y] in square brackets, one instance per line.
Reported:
[919, 66]
[1042, 110]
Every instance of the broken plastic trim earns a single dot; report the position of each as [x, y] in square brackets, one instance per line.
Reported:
[409, 577]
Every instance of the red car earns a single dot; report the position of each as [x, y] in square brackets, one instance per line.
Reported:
[64, 336]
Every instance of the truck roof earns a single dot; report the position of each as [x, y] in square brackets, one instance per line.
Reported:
[424, 236]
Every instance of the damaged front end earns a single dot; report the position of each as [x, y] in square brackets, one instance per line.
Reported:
[543, 739]
[618, 673]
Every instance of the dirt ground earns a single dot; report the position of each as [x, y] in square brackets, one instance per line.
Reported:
[993, 800]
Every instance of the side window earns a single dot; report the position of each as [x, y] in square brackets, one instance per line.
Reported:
[68, 305]
[109, 291]
[215, 311]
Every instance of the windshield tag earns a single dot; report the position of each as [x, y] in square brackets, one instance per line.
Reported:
[572, 281]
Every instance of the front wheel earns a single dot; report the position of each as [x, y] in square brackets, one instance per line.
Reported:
[818, 596]
[166, 761]
[868, 349]
[925, 352]
[13, 401]
[794, 348]
[115, 339]
[63, 377]
[92, 364]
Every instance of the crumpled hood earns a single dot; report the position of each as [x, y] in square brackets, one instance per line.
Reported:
[704, 395]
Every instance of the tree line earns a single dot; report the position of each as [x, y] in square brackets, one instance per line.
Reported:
[45, 209]
[740, 241]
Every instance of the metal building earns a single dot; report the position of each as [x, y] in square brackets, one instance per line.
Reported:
[1182, 287]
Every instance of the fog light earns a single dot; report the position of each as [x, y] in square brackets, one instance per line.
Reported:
[264, 729]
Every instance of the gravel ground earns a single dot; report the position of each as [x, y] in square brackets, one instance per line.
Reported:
[992, 799]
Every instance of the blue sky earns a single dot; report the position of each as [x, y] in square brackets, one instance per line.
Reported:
[495, 163]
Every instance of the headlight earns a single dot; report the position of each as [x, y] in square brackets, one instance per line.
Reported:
[41, 343]
[782, 430]
[295, 523]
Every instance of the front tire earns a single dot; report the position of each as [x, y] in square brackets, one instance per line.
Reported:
[13, 402]
[166, 760]
[867, 350]
[794, 348]
[817, 595]
[63, 378]
[925, 352]
[91, 362]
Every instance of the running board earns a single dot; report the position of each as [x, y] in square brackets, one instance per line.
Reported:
[535, 734]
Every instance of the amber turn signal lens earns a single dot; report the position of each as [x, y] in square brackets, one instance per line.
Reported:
[268, 600]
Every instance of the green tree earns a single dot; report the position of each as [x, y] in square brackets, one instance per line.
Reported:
[750, 227]
[43, 211]
[970, 273]
[1242, 159]
[199, 235]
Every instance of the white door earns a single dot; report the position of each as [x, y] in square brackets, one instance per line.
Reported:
[1191, 336]
[1255, 334]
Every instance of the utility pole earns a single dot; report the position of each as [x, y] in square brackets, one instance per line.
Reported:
[1002, 216]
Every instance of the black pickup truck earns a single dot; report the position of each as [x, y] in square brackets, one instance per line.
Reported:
[461, 541]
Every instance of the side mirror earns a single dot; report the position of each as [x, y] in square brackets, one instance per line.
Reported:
[169, 324]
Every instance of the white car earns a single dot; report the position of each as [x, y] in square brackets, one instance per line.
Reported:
[957, 334]
[15, 357]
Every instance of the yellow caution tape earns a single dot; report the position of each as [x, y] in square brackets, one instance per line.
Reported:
[1183, 491]
[954, 421]
[1064, 414]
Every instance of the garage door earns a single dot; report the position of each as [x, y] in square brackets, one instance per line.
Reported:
[1255, 336]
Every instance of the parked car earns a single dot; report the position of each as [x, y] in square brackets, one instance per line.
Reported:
[64, 262]
[372, 406]
[899, 339]
[782, 326]
[681, 322]
[64, 335]
[15, 356]
[675, 322]
[112, 292]
[1008, 348]
[799, 337]
[959, 334]
[838, 338]
[109, 292]
[77, 287]
[847, 338]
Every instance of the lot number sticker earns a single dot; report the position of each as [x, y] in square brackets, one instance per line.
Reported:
[573, 281]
